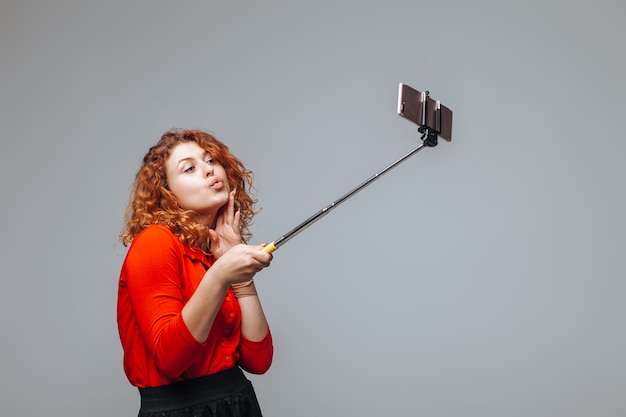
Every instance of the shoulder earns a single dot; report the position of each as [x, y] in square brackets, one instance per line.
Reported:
[153, 251]
[155, 241]
[155, 234]
[160, 245]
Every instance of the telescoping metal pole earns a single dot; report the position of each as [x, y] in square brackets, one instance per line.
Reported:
[323, 212]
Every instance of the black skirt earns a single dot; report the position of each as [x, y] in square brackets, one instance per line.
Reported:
[225, 394]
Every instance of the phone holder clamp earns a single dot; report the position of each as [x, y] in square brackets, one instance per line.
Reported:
[429, 135]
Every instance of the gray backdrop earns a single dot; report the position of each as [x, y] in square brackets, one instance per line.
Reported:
[484, 277]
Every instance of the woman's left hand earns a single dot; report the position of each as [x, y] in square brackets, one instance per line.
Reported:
[226, 233]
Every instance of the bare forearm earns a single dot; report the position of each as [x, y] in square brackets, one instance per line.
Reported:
[201, 309]
[254, 325]
[238, 265]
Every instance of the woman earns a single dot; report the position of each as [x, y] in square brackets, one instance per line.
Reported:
[188, 313]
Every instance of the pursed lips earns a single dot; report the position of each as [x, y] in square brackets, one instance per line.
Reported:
[216, 183]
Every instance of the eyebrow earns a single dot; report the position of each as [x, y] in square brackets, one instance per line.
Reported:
[192, 158]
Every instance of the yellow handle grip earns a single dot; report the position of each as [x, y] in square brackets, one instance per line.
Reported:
[269, 248]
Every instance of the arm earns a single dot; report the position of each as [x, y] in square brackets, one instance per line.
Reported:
[153, 292]
[256, 347]
[225, 240]
[254, 325]
[256, 342]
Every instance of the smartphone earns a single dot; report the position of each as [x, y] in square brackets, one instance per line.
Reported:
[420, 109]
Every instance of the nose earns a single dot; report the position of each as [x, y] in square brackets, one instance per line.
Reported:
[208, 169]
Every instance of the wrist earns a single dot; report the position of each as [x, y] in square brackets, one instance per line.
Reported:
[244, 289]
[215, 278]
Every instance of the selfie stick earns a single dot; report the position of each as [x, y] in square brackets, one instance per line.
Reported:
[433, 120]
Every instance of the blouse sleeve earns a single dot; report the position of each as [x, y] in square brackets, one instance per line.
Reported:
[153, 275]
[256, 357]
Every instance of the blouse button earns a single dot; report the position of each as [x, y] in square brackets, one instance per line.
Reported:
[228, 359]
[228, 298]
[232, 315]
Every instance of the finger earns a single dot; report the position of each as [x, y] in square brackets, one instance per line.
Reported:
[262, 256]
[236, 219]
[230, 209]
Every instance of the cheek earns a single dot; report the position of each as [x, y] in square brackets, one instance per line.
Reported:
[180, 191]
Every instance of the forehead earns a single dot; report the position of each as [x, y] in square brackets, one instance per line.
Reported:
[184, 150]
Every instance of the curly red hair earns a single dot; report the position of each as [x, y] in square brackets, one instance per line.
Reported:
[151, 201]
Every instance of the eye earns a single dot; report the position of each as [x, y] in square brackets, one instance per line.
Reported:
[189, 168]
[209, 161]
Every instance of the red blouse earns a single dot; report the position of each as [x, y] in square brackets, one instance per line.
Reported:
[158, 277]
